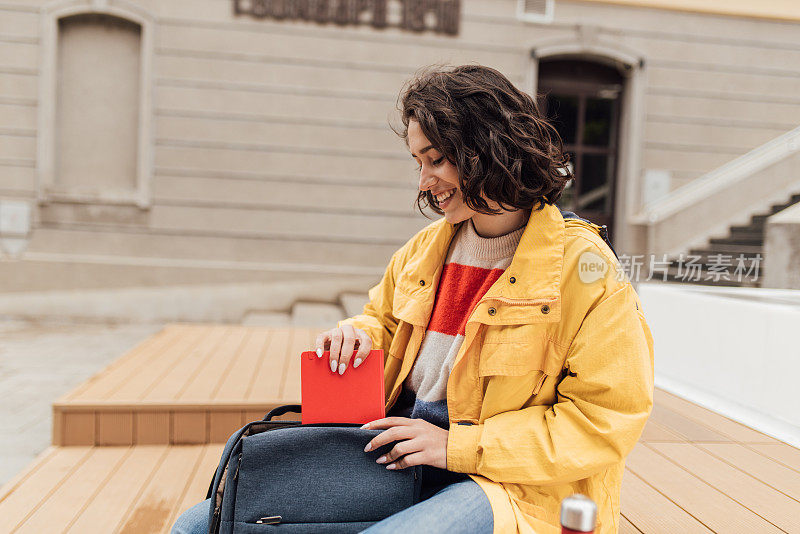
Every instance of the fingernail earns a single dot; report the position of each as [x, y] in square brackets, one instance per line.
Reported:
[390, 466]
[381, 459]
[333, 366]
[365, 425]
[319, 353]
[342, 367]
[357, 362]
[368, 447]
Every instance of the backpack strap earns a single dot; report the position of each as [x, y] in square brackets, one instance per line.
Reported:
[603, 229]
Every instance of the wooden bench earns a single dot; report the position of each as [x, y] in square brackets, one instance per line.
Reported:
[129, 490]
[188, 384]
[692, 471]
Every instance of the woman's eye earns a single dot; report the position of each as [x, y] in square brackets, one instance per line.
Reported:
[435, 162]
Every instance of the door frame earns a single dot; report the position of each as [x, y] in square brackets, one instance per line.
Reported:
[631, 66]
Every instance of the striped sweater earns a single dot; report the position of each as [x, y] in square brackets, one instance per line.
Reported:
[472, 265]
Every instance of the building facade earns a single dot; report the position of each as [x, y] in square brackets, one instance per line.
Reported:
[150, 143]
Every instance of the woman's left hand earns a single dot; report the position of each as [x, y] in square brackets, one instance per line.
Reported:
[419, 442]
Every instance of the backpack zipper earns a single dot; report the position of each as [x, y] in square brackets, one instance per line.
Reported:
[238, 464]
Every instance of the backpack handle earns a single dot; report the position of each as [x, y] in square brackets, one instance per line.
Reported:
[280, 410]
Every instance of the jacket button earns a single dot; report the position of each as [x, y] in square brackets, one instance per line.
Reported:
[492, 311]
[545, 309]
[512, 280]
[422, 282]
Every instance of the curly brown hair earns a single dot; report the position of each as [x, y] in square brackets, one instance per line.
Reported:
[491, 131]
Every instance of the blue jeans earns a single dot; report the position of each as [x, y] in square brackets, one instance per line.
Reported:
[461, 507]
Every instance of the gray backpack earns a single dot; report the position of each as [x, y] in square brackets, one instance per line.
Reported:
[284, 476]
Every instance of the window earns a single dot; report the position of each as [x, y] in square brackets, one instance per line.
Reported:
[97, 105]
[95, 142]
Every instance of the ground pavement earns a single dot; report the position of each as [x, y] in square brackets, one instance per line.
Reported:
[39, 362]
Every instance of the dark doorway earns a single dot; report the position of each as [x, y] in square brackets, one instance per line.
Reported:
[582, 99]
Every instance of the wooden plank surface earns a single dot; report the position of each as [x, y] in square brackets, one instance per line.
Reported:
[685, 427]
[197, 482]
[108, 489]
[163, 378]
[111, 500]
[268, 376]
[626, 527]
[780, 452]
[650, 511]
[152, 507]
[20, 499]
[693, 470]
[76, 490]
[249, 359]
[669, 487]
[186, 384]
[758, 466]
[106, 381]
[207, 378]
[771, 505]
[713, 508]
[144, 488]
[656, 432]
[720, 424]
[202, 364]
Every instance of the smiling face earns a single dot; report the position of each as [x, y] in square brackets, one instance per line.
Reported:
[438, 175]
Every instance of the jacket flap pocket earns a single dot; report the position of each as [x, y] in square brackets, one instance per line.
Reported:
[518, 358]
[407, 308]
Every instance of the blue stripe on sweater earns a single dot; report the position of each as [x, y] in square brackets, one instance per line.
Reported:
[408, 405]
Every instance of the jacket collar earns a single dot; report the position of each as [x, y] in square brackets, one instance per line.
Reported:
[537, 268]
[538, 261]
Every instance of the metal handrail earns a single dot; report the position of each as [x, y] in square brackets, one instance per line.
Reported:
[720, 178]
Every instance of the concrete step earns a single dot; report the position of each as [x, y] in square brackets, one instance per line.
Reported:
[706, 259]
[709, 278]
[747, 232]
[735, 250]
[266, 318]
[353, 303]
[775, 208]
[317, 314]
[748, 228]
[746, 240]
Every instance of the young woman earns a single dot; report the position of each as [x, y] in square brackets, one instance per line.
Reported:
[518, 364]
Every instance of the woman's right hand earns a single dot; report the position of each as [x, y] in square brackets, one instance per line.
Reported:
[342, 341]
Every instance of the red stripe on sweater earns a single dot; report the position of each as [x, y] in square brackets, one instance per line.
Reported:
[460, 288]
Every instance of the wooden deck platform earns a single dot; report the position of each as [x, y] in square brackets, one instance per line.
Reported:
[132, 490]
[693, 470]
[188, 384]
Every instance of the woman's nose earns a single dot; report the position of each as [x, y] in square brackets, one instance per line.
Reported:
[426, 181]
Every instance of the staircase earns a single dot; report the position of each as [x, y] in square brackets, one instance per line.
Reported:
[736, 260]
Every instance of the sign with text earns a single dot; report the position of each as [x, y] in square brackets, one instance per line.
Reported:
[440, 16]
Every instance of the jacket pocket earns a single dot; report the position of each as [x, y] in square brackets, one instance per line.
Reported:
[531, 509]
[520, 357]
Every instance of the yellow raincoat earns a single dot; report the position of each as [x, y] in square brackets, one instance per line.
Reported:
[553, 383]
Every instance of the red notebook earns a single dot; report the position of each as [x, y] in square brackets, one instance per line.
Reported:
[356, 396]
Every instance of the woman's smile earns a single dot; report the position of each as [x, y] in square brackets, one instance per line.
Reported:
[443, 199]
